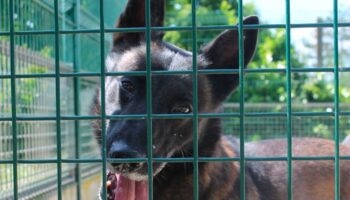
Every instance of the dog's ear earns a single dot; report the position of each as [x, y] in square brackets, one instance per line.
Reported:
[223, 53]
[134, 17]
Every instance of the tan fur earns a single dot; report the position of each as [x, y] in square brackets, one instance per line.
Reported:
[212, 168]
[312, 180]
[232, 172]
[228, 149]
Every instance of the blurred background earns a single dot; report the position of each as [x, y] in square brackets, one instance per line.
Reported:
[312, 90]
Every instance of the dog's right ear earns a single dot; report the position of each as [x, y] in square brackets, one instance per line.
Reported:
[134, 16]
[223, 53]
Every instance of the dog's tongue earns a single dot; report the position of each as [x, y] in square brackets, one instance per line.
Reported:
[130, 190]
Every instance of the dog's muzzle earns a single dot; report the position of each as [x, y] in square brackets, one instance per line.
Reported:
[120, 150]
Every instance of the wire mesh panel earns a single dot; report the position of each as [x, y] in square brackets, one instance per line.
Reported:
[28, 68]
[52, 60]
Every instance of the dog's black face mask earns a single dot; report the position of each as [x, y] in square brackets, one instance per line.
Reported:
[171, 94]
[128, 138]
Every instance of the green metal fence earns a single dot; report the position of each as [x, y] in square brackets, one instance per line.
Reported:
[67, 79]
[28, 102]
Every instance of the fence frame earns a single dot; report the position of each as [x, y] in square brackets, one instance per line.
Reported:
[149, 116]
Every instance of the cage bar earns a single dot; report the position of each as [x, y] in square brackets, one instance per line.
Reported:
[336, 102]
[289, 102]
[58, 107]
[242, 114]
[149, 99]
[242, 181]
[183, 28]
[195, 99]
[102, 97]
[77, 87]
[13, 102]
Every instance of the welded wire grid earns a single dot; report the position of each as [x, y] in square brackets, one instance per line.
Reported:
[35, 105]
[15, 120]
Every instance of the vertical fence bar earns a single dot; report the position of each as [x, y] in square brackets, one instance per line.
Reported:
[76, 83]
[195, 101]
[149, 99]
[13, 101]
[102, 96]
[241, 98]
[289, 101]
[336, 101]
[58, 98]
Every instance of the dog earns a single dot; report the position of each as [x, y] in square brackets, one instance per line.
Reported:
[173, 138]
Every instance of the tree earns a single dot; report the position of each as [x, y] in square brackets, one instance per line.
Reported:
[320, 53]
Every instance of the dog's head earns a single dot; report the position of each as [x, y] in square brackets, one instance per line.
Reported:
[171, 94]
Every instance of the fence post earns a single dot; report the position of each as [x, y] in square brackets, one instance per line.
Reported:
[336, 103]
[13, 101]
[76, 82]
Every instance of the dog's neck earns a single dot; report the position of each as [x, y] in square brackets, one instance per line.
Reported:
[208, 137]
[216, 180]
[208, 140]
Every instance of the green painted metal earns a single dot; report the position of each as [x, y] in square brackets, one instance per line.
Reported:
[103, 106]
[179, 116]
[336, 102]
[182, 28]
[177, 160]
[242, 115]
[241, 100]
[143, 73]
[58, 99]
[149, 99]
[77, 88]
[195, 100]
[24, 138]
[13, 101]
[289, 101]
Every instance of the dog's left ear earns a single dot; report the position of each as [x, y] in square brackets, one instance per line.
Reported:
[134, 16]
[223, 53]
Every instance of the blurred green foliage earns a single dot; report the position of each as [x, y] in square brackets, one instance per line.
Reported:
[270, 53]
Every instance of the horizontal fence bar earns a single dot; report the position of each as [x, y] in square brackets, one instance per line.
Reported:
[158, 72]
[6, 162]
[176, 160]
[265, 114]
[311, 114]
[143, 73]
[180, 28]
[176, 116]
[102, 117]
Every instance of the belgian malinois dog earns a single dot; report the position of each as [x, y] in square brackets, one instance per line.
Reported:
[265, 180]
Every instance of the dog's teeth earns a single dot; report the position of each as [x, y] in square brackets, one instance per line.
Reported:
[108, 184]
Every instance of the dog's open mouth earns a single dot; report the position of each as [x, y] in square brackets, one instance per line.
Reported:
[122, 188]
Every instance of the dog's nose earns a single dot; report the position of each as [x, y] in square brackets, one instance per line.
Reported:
[121, 150]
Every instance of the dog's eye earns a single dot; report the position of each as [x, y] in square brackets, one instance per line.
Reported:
[181, 109]
[128, 86]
